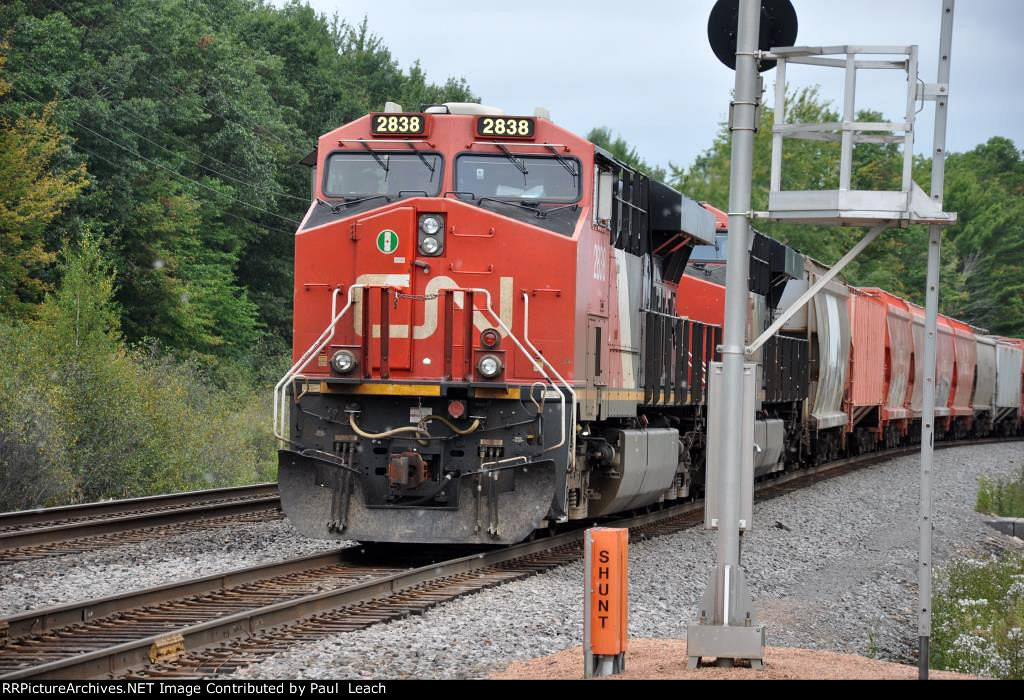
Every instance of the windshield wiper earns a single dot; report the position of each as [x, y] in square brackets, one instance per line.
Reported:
[544, 214]
[532, 207]
[562, 161]
[515, 161]
[351, 201]
[528, 208]
[430, 166]
[380, 161]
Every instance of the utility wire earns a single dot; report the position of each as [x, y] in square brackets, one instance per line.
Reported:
[161, 165]
[268, 227]
[173, 153]
[96, 92]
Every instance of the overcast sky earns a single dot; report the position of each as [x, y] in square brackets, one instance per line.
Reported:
[644, 68]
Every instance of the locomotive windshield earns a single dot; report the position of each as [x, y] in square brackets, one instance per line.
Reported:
[526, 178]
[391, 174]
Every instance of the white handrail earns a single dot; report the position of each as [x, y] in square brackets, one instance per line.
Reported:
[281, 388]
[533, 361]
[334, 301]
[572, 392]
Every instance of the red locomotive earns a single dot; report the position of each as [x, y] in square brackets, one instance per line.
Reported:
[499, 327]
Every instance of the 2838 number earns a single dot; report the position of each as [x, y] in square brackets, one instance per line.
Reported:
[514, 127]
[397, 124]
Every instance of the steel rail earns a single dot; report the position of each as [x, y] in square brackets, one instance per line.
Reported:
[29, 528]
[34, 517]
[365, 603]
[46, 619]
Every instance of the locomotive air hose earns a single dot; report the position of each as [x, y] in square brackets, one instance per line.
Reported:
[473, 427]
[433, 494]
[390, 433]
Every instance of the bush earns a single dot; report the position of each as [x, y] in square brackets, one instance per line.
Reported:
[33, 441]
[978, 618]
[82, 417]
[1002, 496]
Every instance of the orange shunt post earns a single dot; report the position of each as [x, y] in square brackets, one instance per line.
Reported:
[606, 621]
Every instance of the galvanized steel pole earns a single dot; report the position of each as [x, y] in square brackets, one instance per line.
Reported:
[743, 127]
[924, 574]
[726, 629]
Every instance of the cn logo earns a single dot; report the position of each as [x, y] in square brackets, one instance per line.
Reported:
[481, 320]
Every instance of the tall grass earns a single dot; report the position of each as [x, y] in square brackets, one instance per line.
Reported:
[1002, 496]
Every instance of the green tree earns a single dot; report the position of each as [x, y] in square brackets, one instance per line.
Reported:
[986, 187]
[35, 191]
[620, 148]
[85, 417]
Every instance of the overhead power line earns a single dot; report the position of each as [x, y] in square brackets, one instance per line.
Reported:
[161, 165]
[268, 227]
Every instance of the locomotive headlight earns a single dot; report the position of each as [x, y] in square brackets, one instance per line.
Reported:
[343, 362]
[431, 235]
[430, 245]
[430, 225]
[489, 366]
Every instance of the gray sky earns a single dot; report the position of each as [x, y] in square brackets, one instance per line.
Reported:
[644, 68]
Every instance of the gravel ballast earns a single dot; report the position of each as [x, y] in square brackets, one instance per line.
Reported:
[74, 577]
[831, 567]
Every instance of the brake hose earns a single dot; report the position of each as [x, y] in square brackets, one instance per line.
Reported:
[390, 433]
[473, 427]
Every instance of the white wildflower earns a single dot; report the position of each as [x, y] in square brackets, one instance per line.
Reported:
[968, 603]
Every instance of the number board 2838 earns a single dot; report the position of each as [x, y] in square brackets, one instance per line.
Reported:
[398, 124]
[506, 127]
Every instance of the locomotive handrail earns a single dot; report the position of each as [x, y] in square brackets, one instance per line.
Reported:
[334, 301]
[572, 392]
[534, 361]
[280, 390]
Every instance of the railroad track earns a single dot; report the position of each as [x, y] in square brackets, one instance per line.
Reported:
[218, 624]
[34, 534]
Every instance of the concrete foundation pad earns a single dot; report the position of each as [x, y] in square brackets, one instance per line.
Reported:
[716, 641]
[1014, 527]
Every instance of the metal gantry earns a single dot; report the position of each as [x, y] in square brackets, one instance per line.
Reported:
[847, 206]
[725, 629]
